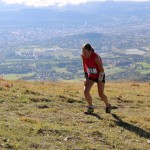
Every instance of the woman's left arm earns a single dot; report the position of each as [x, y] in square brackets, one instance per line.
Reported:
[98, 61]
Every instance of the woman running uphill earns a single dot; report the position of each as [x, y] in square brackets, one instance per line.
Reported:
[94, 72]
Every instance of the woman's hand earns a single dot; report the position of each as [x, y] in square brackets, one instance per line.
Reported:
[86, 82]
[101, 76]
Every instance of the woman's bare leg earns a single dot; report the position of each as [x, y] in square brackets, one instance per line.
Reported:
[87, 87]
[101, 86]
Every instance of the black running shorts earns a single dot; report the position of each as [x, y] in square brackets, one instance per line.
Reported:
[96, 80]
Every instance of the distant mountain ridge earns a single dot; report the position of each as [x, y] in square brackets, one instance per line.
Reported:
[104, 12]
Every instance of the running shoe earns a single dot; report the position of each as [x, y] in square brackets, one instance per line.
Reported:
[108, 109]
[90, 109]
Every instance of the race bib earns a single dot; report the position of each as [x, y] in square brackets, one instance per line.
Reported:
[92, 70]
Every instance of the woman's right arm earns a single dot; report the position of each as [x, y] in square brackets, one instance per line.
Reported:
[84, 68]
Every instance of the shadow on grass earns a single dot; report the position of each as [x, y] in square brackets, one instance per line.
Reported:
[93, 114]
[114, 107]
[140, 132]
[96, 115]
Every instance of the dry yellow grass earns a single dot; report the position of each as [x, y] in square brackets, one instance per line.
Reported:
[50, 116]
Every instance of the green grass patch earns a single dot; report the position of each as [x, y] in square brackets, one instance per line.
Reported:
[144, 72]
[113, 70]
[60, 70]
[17, 76]
[145, 65]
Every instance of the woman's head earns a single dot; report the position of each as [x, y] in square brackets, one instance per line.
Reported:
[87, 50]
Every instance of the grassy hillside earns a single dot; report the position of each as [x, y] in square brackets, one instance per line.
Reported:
[50, 116]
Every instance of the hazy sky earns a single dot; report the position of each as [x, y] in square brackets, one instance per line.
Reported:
[38, 3]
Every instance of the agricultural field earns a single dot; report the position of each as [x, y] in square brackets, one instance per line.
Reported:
[56, 63]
